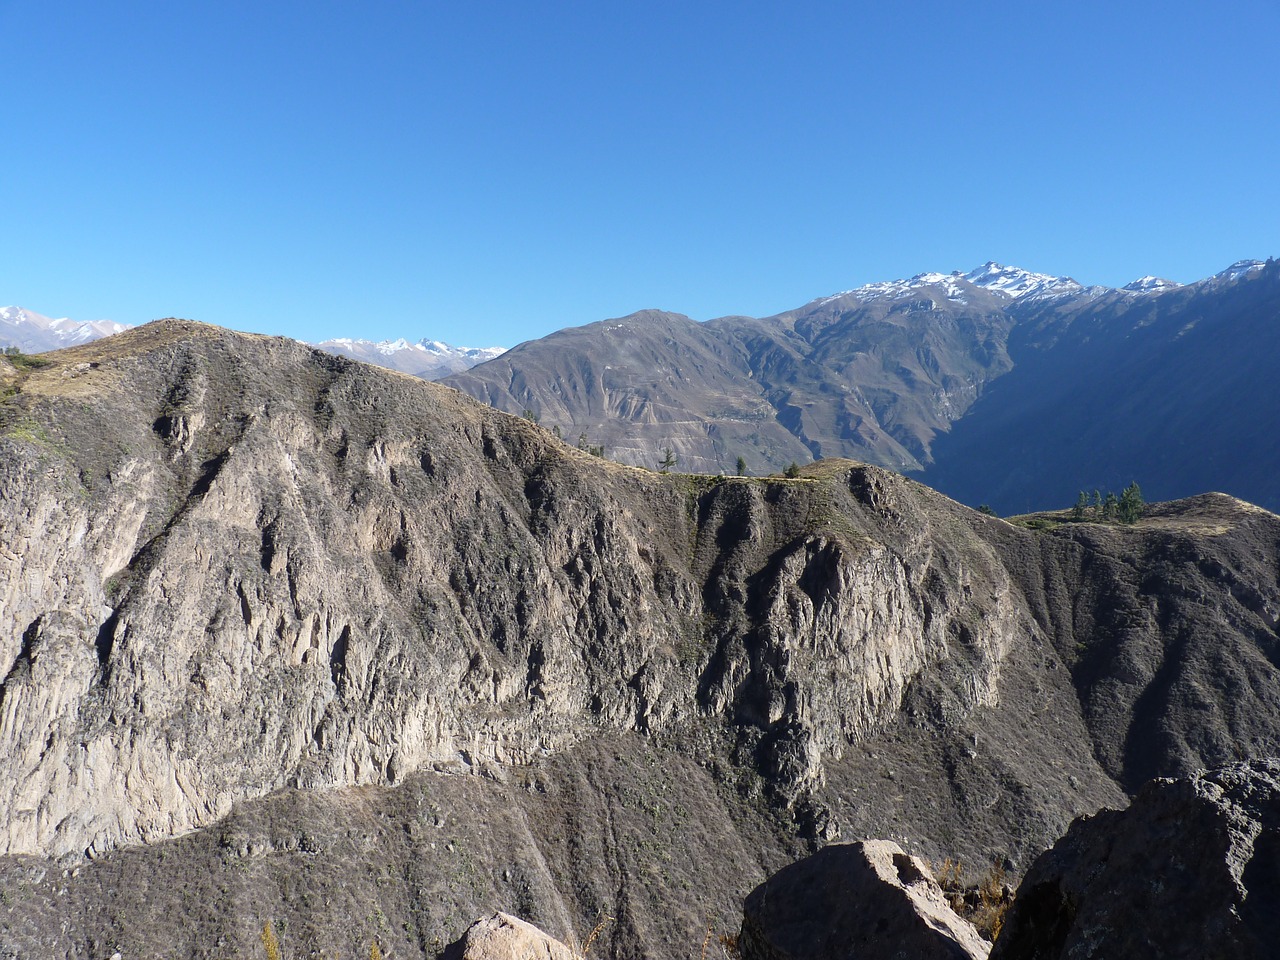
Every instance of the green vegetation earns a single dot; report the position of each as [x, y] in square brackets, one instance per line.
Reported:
[792, 471]
[1126, 508]
[23, 361]
[587, 446]
[742, 466]
[669, 460]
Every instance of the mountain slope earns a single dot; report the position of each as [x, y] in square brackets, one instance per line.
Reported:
[389, 652]
[871, 377]
[1175, 390]
[874, 374]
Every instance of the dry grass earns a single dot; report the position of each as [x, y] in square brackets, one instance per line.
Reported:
[270, 943]
[983, 904]
[581, 953]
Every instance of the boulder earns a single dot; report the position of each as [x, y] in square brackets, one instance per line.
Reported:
[866, 899]
[504, 937]
[1190, 869]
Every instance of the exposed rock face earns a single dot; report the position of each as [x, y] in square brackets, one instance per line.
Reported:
[867, 899]
[232, 566]
[1190, 869]
[504, 937]
[251, 590]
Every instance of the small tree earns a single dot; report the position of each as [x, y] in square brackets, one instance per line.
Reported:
[1082, 504]
[1110, 506]
[1131, 504]
[669, 460]
[792, 471]
[742, 466]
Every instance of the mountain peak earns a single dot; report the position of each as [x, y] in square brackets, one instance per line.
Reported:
[1238, 270]
[1015, 282]
[1150, 284]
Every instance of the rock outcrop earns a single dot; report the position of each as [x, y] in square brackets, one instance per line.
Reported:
[1191, 869]
[504, 937]
[241, 579]
[867, 899]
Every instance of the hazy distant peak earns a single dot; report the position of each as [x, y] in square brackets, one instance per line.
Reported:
[424, 358]
[35, 333]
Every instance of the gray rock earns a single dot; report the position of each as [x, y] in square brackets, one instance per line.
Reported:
[504, 937]
[867, 899]
[1190, 869]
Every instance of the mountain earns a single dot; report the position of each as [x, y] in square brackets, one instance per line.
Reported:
[429, 359]
[32, 332]
[999, 386]
[876, 374]
[285, 637]
[1174, 389]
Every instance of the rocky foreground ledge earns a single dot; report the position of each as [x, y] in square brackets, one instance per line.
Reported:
[1191, 869]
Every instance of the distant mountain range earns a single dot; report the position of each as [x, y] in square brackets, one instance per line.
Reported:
[429, 359]
[33, 332]
[998, 386]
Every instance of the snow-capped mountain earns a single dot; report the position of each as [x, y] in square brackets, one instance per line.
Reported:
[1149, 284]
[1017, 283]
[1234, 272]
[1011, 282]
[429, 359]
[33, 332]
[896, 289]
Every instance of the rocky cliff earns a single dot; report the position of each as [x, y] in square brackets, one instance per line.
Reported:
[391, 653]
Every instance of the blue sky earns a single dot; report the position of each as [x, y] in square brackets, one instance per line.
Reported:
[487, 172]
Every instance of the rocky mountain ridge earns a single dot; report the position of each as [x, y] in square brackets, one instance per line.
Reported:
[295, 637]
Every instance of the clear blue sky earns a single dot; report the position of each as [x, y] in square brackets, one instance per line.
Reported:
[486, 172]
